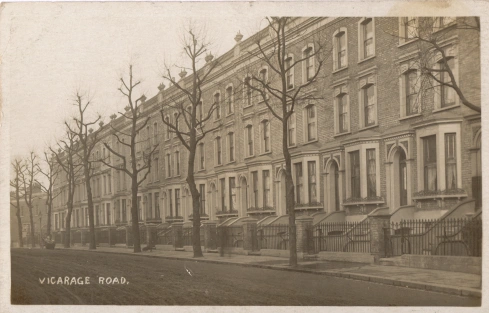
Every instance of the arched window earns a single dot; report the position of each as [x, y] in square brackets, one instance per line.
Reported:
[217, 104]
[340, 47]
[229, 100]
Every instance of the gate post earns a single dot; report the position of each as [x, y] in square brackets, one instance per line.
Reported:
[112, 235]
[249, 234]
[177, 234]
[129, 240]
[83, 233]
[151, 234]
[303, 224]
[210, 235]
[378, 220]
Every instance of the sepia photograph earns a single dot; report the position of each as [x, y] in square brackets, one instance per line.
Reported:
[213, 154]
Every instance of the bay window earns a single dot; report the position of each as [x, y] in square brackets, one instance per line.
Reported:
[298, 182]
[266, 188]
[429, 163]
[311, 177]
[450, 161]
[355, 174]
[371, 174]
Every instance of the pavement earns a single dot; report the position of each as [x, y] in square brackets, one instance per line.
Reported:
[455, 283]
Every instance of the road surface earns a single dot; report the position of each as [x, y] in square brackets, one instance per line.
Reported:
[158, 281]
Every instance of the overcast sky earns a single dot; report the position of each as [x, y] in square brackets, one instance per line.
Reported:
[55, 49]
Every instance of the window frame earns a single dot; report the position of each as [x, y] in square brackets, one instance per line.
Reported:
[290, 71]
[217, 103]
[337, 66]
[309, 63]
[362, 51]
[311, 120]
[342, 92]
[264, 140]
[247, 92]
[249, 141]
[229, 99]
[231, 147]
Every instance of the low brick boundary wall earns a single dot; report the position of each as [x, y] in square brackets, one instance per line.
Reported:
[463, 264]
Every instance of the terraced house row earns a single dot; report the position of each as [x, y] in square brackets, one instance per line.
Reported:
[373, 132]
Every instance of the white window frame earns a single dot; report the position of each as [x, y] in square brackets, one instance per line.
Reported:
[450, 53]
[335, 48]
[312, 63]
[306, 122]
[168, 132]
[218, 108]
[247, 139]
[363, 84]
[264, 68]
[403, 37]
[341, 90]
[439, 130]
[290, 73]
[263, 123]
[437, 25]
[292, 117]
[404, 70]
[362, 148]
[245, 92]
[216, 150]
[201, 155]
[231, 132]
[361, 38]
[227, 99]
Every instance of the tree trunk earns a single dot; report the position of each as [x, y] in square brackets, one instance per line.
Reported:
[290, 205]
[67, 242]
[33, 242]
[19, 225]
[91, 222]
[135, 215]
[50, 204]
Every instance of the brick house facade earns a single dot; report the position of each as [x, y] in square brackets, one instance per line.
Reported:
[362, 143]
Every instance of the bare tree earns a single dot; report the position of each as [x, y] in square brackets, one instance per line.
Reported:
[431, 35]
[139, 163]
[190, 121]
[28, 179]
[281, 100]
[16, 183]
[50, 172]
[65, 158]
[87, 139]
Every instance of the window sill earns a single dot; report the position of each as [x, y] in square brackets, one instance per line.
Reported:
[340, 69]
[231, 162]
[368, 127]
[404, 43]
[247, 106]
[291, 88]
[217, 165]
[230, 114]
[265, 153]
[292, 146]
[409, 116]
[249, 157]
[366, 59]
[439, 29]
[446, 108]
[342, 134]
[311, 141]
